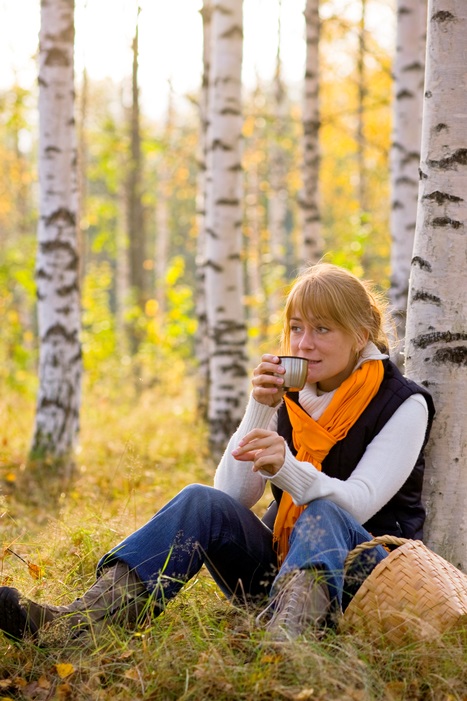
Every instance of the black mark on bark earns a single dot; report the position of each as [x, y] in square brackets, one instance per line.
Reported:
[61, 215]
[58, 330]
[422, 264]
[459, 157]
[421, 296]
[210, 264]
[440, 222]
[456, 356]
[429, 339]
[443, 16]
[442, 197]
[57, 57]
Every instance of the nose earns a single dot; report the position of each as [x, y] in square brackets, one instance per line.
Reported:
[307, 340]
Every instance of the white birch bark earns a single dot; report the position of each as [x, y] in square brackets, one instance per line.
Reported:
[361, 98]
[409, 74]
[436, 338]
[278, 200]
[162, 247]
[311, 245]
[57, 273]
[201, 341]
[224, 280]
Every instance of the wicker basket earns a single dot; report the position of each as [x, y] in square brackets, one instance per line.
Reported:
[413, 594]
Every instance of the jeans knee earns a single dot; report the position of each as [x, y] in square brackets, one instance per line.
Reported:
[323, 508]
[317, 521]
[194, 491]
[319, 513]
[203, 498]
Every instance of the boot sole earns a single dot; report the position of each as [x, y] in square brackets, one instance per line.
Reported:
[14, 621]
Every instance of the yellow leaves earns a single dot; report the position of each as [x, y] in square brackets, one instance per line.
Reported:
[64, 669]
[35, 571]
[151, 307]
[41, 688]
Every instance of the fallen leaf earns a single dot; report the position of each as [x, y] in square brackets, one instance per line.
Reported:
[132, 674]
[35, 571]
[63, 692]
[125, 655]
[43, 682]
[64, 669]
[304, 695]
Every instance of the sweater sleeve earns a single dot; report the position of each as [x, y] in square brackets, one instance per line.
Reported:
[381, 472]
[236, 477]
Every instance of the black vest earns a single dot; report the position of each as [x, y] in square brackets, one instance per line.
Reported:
[404, 514]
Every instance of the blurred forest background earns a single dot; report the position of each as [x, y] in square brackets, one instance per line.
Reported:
[355, 140]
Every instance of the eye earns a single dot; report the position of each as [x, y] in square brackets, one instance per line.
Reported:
[322, 329]
[295, 328]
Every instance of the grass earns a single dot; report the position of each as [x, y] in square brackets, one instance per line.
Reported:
[137, 451]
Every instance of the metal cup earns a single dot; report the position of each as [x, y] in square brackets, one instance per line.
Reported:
[296, 370]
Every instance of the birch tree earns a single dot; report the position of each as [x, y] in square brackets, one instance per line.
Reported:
[224, 281]
[202, 348]
[278, 199]
[362, 91]
[312, 245]
[57, 269]
[409, 74]
[136, 232]
[436, 339]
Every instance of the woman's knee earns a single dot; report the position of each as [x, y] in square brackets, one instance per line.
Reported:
[322, 510]
[203, 497]
[319, 519]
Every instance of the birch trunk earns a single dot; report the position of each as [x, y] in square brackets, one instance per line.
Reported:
[312, 244]
[409, 74]
[57, 270]
[436, 338]
[361, 97]
[224, 281]
[278, 202]
[162, 243]
[136, 233]
[202, 347]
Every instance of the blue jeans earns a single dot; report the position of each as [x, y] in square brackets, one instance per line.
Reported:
[202, 525]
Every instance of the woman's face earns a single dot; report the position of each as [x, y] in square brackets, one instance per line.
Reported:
[330, 351]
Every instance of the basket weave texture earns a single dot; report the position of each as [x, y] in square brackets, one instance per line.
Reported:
[413, 594]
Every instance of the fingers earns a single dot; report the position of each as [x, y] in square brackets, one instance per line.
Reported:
[265, 449]
[267, 381]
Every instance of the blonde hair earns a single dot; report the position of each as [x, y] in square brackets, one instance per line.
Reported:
[326, 292]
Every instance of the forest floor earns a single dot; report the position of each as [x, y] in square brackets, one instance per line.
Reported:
[136, 452]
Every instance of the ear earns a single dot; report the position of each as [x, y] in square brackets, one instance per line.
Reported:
[363, 337]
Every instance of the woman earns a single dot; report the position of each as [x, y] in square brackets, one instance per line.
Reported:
[343, 457]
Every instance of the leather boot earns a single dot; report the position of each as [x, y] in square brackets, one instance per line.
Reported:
[118, 595]
[301, 605]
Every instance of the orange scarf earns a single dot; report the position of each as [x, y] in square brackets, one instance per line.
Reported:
[314, 439]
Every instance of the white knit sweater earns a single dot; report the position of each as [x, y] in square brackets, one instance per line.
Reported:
[383, 469]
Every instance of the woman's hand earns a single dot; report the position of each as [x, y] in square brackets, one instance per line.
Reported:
[268, 389]
[265, 448]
